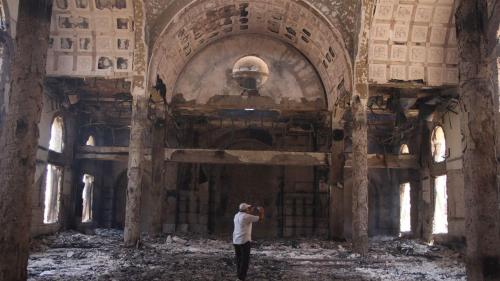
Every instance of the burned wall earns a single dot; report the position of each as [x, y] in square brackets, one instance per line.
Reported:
[207, 196]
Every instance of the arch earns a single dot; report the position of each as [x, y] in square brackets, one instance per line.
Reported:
[56, 142]
[200, 23]
[438, 144]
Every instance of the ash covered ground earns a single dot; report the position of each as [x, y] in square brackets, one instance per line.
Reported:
[74, 256]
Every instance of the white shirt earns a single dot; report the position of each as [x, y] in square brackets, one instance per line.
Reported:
[243, 227]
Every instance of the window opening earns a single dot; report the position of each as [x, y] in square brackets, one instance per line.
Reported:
[438, 145]
[90, 141]
[404, 149]
[52, 189]
[87, 197]
[405, 208]
[56, 135]
[440, 224]
[251, 72]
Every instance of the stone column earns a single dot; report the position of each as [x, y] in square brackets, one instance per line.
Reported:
[478, 129]
[360, 178]
[138, 131]
[425, 192]
[359, 134]
[336, 223]
[135, 172]
[19, 139]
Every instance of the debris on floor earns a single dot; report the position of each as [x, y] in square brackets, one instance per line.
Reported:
[74, 256]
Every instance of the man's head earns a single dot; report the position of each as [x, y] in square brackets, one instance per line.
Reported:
[244, 207]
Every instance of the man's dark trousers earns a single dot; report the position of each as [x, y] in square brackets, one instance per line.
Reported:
[242, 259]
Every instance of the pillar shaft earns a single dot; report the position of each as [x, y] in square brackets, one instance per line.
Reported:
[135, 173]
[360, 178]
[359, 134]
[19, 139]
[138, 131]
[478, 129]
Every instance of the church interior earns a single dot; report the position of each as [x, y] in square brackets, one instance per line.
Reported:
[368, 130]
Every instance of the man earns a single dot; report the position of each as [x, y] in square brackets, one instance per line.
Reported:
[242, 236]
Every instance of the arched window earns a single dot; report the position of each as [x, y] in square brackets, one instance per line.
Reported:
[53, 183]
[438, 143]
[440, 221]
[56, 135]
[90, 141]
[53, 180]
[404, 149]
[405, 207]
[250, 72]
[404, 198]
[87, 195]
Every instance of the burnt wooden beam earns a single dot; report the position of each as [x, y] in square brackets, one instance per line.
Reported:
[380, 161]
[255, 157]
[211, 156]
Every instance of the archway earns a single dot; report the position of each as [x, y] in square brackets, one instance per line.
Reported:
[294, 23]
[307, 73]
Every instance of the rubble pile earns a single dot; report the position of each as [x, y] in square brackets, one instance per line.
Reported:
[74, 256]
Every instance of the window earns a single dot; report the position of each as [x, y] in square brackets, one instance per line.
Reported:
[440, 224]
[405, 208]
[56, 135]
[438, 145]
[90, 141]
[53, 178]
[404, 149]
[250, 72]
[87, 196]
[52, 189]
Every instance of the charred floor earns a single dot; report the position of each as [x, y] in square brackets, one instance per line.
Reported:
[101, 256]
